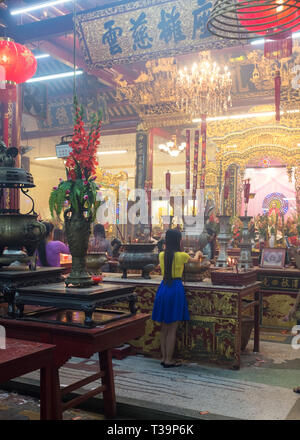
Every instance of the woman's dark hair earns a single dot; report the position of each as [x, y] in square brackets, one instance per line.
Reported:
[59, 235]
[99, 230]
[173, 239]
[42, 244]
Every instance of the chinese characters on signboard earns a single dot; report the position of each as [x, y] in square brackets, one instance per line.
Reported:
[141, 159]
[144, 29]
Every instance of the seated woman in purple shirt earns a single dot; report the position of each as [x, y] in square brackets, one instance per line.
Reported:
[49, 250]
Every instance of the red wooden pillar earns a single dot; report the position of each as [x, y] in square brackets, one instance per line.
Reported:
[10, 104]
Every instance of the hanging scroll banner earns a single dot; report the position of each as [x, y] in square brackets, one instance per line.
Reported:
[277, 95]
[203, 159]
[141, 30]
[195, 175]
[188, 160]
[168, 181]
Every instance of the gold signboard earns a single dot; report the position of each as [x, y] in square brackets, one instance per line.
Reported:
[146, 29]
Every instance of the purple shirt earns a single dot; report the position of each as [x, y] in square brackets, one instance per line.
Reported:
[53, 251]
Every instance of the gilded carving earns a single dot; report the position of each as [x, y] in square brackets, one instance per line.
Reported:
[110, 180]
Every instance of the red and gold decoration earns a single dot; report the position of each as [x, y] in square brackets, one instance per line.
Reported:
[168, 181]
[167, 94]
[226, 185]
[17, 65]
[203, 90]
[246, 194]
[247, 19]
[188, 160]
[273, 19]
[18, 61]
[203, 156]
[195, 174]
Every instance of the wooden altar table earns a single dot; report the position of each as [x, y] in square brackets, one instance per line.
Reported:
[12, 278]
[21, 357]
[216, 325]
[82, 343]
[279, 289]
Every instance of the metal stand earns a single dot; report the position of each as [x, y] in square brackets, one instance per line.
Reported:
[223, 238]
[245, 260]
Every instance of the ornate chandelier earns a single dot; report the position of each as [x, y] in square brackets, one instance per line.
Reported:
[204, 88]
[172, 147]
[166, 91]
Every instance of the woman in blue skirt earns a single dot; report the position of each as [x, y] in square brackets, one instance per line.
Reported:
[170, 305]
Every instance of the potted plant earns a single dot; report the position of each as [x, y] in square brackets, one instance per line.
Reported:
[76, 197]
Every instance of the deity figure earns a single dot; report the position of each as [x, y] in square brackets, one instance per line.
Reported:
[273, 209]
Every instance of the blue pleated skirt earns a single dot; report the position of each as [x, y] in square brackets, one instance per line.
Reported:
[170, 303]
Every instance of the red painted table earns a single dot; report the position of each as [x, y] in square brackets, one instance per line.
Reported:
[83, 343]
[22, 357]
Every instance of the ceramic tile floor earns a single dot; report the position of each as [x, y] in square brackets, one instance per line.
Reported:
[261, 389]
[15, 406]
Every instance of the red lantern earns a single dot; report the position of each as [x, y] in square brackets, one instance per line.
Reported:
[17, 62]
[272, 16]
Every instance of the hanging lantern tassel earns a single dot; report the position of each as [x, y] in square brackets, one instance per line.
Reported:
[277, 95]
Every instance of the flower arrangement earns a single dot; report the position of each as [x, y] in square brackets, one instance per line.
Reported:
[296, 219]
[236, 229]
[78, 193]
[262, 225]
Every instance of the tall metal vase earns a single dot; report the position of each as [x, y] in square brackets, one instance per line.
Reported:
[245, 260]
[78, 230]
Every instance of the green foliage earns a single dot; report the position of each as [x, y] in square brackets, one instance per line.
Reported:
[78, 195]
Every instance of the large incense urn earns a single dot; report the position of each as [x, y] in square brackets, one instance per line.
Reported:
[94, 262]
[18, 231]
[197, 271]
[20, 234]
[138, 256]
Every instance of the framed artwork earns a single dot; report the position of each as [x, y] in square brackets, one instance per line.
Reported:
[273, 258]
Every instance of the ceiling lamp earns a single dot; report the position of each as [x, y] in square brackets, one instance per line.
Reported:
[246, 19]
[172, 148]
[17, 62]
[204, 88]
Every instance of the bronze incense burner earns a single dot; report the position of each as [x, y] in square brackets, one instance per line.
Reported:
[138, 256]
[20, 234]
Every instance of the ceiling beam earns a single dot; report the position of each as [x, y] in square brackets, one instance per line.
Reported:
[67, 57]
[41, 30]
